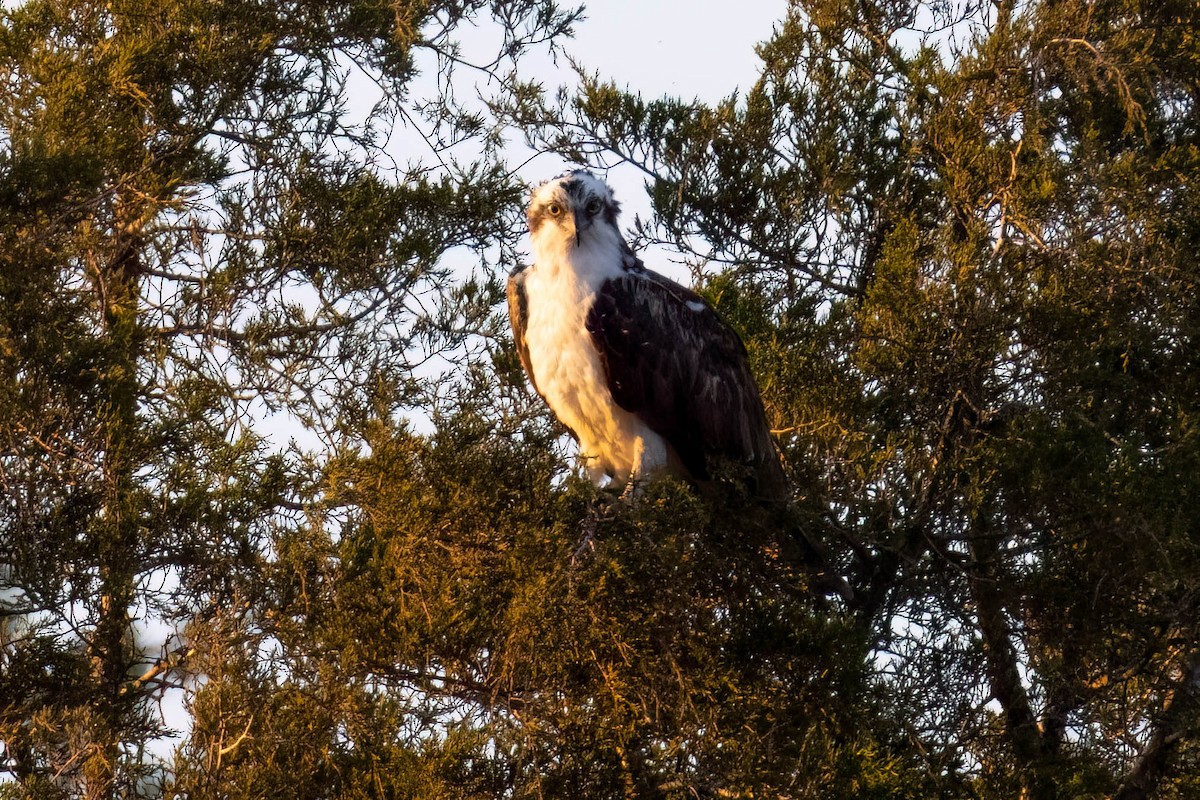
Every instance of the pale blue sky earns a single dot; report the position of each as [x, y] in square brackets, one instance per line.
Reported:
[686, 48]
[701, 48]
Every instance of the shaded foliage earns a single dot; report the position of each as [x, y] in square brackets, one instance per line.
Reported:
[961, 241]
[199, 231]
[958, 241]
[579, 648]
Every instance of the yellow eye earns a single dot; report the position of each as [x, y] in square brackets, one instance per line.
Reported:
[554, 209]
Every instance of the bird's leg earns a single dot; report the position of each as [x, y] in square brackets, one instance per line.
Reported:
[593, 468]
[649, 456]
[633, 487]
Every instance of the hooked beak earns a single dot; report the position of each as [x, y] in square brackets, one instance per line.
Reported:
[581, 225]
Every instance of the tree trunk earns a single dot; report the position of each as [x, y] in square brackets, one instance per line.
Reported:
[116, 532]
[1002, 663]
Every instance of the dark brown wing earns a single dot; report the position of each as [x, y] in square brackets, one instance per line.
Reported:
[518, 317]
[673, 362]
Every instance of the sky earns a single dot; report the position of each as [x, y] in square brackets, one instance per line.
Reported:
[701, 49]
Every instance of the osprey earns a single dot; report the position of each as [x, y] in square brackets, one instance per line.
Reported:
[641, 371]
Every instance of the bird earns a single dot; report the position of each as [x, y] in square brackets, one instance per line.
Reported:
[642, 371]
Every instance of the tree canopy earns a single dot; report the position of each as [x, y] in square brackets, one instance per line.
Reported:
[958, 240]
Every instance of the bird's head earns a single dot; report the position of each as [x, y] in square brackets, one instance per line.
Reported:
[569, 210]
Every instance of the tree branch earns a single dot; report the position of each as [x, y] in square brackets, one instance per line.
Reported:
[1171, 726]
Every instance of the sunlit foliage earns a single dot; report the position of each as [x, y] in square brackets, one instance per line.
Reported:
[958, 239]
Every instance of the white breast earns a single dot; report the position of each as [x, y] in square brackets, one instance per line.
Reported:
[560, 292]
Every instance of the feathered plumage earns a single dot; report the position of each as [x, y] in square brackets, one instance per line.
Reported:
[641, 370]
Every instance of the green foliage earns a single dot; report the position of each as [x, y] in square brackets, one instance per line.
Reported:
[197, 231]
[594, 647]
[960, 240]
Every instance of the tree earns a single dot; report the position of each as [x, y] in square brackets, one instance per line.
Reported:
[957, 239]
[961, 240]
[198, 231]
